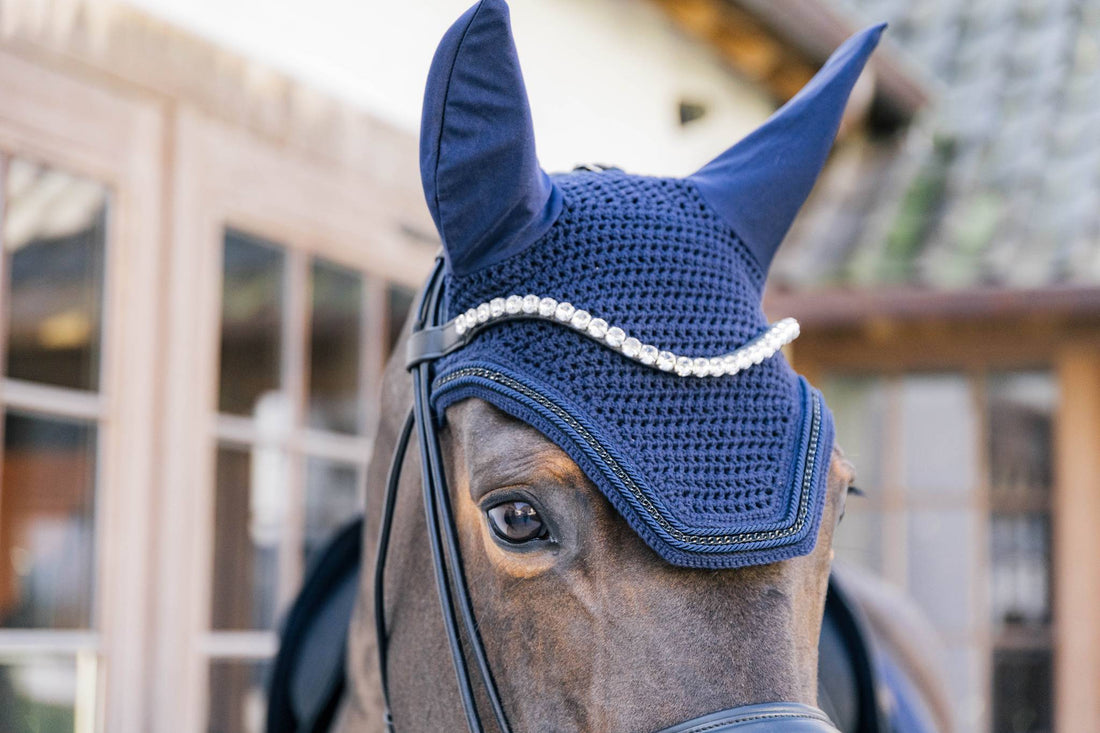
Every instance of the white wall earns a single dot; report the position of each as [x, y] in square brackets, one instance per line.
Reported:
[605, 76]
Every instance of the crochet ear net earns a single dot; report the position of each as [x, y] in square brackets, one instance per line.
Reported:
[490, 198]
[760, 183]
[482, 180]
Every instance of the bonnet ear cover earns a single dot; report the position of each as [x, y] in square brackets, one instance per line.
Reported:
[760, 183]
[620, 315]
[486, 192]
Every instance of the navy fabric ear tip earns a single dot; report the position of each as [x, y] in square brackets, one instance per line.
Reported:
[760, 183]
[482, 181]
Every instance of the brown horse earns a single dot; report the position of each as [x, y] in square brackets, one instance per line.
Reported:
[599, 633]
[581, 615]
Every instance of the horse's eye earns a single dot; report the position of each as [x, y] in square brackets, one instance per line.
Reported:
[516, 522]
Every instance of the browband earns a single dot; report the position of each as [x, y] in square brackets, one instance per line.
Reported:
[433, 343]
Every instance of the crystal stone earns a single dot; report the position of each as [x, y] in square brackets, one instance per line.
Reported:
[666, 360]
[648, 354]
[631, 347]
[530, 304]
[580, 320]
[513, 305]
[564, 312]
[471, 318]
[683, 365]
[717, 367]
[597, 328]
[615, 337]
[496, 307]
[547, 306]
[460, 324]
[700, 366]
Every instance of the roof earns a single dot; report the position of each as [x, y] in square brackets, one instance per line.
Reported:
[996, 186]
[780, 46]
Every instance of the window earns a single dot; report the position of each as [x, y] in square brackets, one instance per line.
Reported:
[958, 473]
[399, 301]
[52, 283]
[292, 419]
[1020, 410]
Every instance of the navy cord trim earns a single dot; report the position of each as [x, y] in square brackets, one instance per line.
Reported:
[709, 541]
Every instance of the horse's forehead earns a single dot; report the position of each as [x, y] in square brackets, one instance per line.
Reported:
[499, 449]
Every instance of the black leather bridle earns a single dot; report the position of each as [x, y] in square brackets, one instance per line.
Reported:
[428, 343]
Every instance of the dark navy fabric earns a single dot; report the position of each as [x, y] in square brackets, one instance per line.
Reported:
[760, 183]
[713, 456]
[711, 472]
[486, 192]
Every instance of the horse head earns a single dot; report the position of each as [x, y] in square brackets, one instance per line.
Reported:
[643, 492]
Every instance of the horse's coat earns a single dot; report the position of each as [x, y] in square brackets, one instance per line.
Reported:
[630, 613]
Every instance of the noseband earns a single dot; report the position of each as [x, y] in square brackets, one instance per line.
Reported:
[428, 343]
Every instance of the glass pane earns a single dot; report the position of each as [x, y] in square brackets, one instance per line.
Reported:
[47, 523]
[859, 409]
[1022, 694]
[238, 697]
[250, 509]
[399, 300]
[55, 231]
[1021, 569]
[941, 561]
[252, 322]
[334, 348]
[38, 694]
[858, 538]
[333, 497]
[939, 435]
[1021, 438]
[965, 667]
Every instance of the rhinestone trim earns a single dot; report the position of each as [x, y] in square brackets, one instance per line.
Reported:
[764, 346]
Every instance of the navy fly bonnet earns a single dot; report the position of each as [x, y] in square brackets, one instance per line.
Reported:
[621, 315]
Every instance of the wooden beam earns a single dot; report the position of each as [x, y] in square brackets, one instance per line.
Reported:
[744, 43]
[1076, 543]
[815, 28]
[886, 345]
[781, 44]
[839, 307]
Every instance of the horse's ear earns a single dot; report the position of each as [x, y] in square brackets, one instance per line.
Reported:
[486, 192]
[760, 183]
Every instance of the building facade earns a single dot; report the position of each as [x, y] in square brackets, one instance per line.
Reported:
[946, 277]
[203, 263]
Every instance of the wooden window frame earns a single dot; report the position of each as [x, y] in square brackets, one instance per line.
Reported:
[114, 139]
[225, 178]
[1070, 349]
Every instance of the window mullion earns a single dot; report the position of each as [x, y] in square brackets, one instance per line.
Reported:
[50, 400]
[5, 286]
[372, 353]
[295, 354]
[59, 641]
[5, 304]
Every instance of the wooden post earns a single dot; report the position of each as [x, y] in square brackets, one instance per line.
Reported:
[1076, 543]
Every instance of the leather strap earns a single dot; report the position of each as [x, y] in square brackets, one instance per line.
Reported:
[430, 340]
[770, 717]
